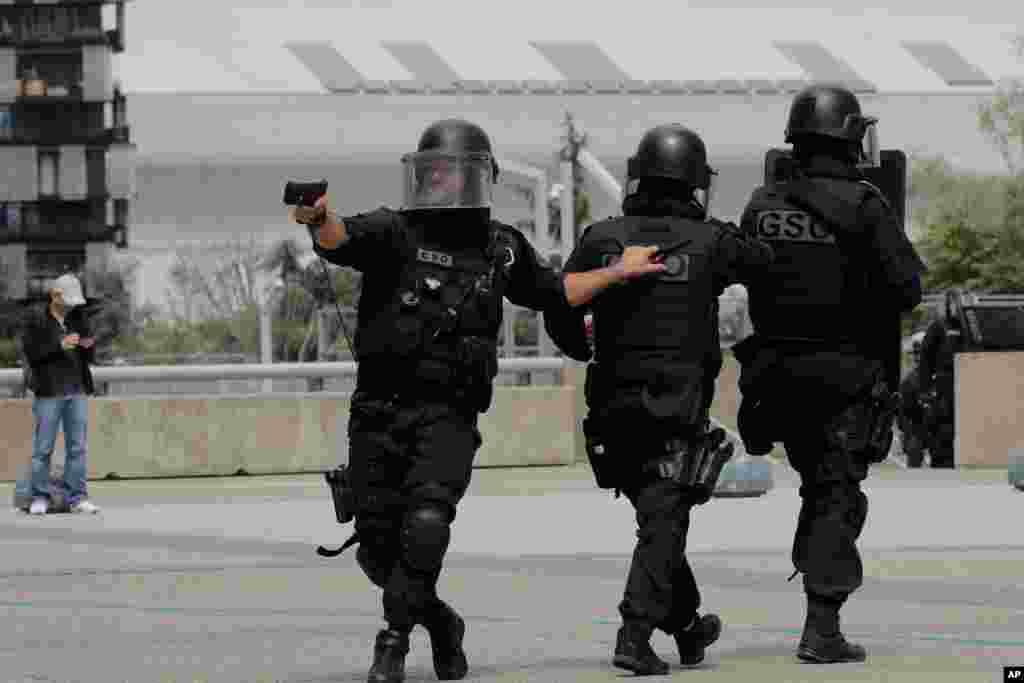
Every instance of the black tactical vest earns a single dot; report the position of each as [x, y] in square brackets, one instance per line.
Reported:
[437, 321]
[672, 316]
[814, 289]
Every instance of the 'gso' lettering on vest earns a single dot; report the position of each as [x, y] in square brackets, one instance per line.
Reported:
[437, 257]
[792, 226]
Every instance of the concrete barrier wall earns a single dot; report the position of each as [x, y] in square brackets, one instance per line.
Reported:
[283, 433]
[989, 407]
[162, 437]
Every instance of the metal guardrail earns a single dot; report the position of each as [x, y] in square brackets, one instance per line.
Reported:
[142, 373]
[994, 299]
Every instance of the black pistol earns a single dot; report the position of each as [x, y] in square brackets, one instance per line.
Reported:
[303, 194]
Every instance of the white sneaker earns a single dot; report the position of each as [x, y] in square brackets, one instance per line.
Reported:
[40, 506]
[85, 507]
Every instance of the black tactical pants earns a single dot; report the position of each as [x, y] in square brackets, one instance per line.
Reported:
[943, 431]
[411, 462]
[832, 515]
[661, 591]
[911, 420]
[833, 508]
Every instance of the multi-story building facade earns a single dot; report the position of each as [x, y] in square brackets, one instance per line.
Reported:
[67, 165]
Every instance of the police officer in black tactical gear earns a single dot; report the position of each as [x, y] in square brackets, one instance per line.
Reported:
[812, 374]
[911, 418]
[435, 274]
[650, 387]
[943, 339]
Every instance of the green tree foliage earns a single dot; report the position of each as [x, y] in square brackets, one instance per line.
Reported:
[216, 282]
[971, 227]
[216, 296]
[113, 316]
[1002, 118]
[336, 289]
[8, 324]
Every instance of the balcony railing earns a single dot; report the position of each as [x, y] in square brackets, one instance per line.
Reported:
[68, 230]
[39, 88]
[45, 25]
[104, 136]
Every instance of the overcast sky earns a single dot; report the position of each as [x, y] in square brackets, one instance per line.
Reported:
[229, 52]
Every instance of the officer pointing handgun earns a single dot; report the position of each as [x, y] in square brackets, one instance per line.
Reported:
[813, 375]
[435, 275]
[651, 385]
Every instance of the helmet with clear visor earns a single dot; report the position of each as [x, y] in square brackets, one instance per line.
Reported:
[452, 168]
[442, 180]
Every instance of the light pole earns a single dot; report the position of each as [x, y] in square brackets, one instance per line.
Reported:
[267, 288]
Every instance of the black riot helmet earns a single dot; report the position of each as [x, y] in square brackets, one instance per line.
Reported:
[829, 117]
[672, 152]
[453, 168]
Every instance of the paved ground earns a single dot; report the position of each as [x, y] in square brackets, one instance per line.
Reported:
[216, 580]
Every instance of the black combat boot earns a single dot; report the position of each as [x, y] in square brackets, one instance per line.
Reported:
[633, 652]
[389, 657]
[822, 641]
[692, 640]
[447, 629]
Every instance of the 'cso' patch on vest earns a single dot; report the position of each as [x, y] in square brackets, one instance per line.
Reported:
[436, 257]
[792, 226]
[677, 266]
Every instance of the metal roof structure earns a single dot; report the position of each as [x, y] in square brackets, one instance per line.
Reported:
[529, 47]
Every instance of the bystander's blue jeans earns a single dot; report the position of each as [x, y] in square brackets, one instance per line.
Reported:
[48, 414]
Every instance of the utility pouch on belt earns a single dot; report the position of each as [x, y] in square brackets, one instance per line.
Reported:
[605, 473]
[696, 464]
[600, 460]
[757, 426]
[341, 493]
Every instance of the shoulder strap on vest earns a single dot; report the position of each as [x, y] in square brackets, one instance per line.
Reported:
[872, 190]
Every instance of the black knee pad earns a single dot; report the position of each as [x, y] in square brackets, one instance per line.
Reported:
[425, 535]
